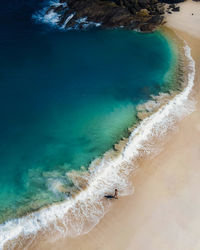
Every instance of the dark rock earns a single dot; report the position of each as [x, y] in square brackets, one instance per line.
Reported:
[148, 27]
[156, 20]
[176, 9]
[160, 10]
[131, 14]
[171, 6]
[171, 1]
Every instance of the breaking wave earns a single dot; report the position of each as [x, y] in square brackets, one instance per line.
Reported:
[82, 212]
[49, 16]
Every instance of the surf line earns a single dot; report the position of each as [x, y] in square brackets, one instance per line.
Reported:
[88, 205]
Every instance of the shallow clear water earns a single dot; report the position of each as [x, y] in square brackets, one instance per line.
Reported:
[65, 99]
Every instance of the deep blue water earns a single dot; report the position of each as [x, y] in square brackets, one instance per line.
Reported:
[65, 98]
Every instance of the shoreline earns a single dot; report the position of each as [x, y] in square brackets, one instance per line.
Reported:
[119, 162]
[110, 213]
[117, 159]
[164, 208]
[161, 212]
[115, 155]
[30, 226]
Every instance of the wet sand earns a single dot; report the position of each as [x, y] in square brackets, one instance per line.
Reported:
[164, 211]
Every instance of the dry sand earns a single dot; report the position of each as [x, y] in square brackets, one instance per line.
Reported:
[164, 211]
[184, 20]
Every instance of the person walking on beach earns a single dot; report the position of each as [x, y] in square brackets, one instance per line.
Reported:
[115, 196]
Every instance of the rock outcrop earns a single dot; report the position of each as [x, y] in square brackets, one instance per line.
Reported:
[144, 15]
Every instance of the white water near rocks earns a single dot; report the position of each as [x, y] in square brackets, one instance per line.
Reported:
[88, 207]
[52, 18]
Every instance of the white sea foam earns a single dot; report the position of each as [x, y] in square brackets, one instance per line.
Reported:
[49, 17]
[88, 207]
[86, 24]
[52, 18]
[67, 20]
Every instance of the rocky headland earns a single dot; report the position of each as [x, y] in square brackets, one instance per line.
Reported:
[143, 15]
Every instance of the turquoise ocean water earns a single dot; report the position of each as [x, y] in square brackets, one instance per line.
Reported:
[65, 99]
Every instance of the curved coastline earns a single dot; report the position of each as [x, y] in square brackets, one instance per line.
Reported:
[118, 164]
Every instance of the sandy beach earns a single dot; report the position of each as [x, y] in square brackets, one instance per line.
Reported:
[164, 211]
